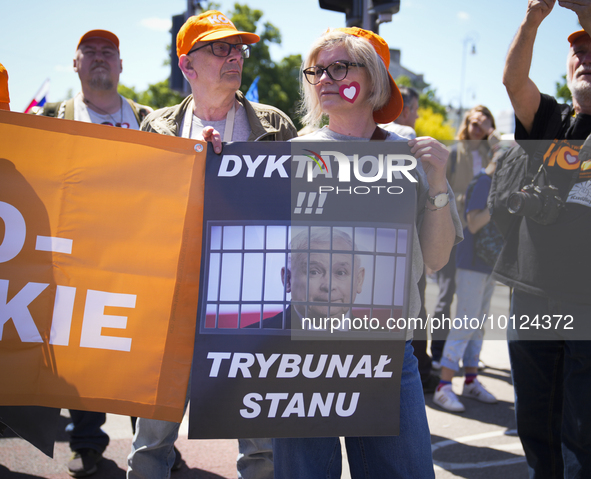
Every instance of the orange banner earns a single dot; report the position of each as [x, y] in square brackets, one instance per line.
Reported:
[99, 266]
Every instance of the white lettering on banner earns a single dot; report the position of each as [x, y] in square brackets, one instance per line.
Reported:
[252, 165]
[297, 404]
[95, 319]
[362, 190]
[15, 232]
[388, 167]
[242, 362]
[17, 309]
[53, 244]
[394, 166]
[63, 310]
[220, 18]
[265, 364]
[217, 361]
[231, 165]
[289, 365]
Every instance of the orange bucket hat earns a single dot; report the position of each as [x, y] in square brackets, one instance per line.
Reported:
[391, 110]
[208, 26]
[99, 34]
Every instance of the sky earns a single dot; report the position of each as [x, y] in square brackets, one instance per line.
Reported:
[38, 39]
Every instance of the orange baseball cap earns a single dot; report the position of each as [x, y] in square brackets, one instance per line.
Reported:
[393, 108]
[576, 35]
[4, 96]
[208, 26]
[99, 34]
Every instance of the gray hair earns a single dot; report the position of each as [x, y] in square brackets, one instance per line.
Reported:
[360, 51]
[320, 235]
[408, 94]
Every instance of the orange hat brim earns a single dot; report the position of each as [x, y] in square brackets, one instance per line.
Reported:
[573, 37]
[99, 34]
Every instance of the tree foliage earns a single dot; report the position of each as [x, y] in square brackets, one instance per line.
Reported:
[278, 84]
[432, 119]
[433, 124]
[562, 91]
[158, 95]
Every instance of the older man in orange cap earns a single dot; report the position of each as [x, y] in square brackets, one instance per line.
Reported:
[547, 263]
[211, 54]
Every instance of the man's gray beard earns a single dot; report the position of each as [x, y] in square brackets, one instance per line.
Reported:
[101, 82]
[581, 91]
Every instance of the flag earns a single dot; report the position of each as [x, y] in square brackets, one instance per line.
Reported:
[253, 92]
[40, 98]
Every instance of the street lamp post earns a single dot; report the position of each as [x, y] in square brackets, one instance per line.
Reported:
[468, 41]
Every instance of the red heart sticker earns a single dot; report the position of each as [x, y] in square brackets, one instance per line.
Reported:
[349, 92]
[571, 159]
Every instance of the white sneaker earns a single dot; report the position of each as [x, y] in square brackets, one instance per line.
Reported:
[476, 390]
[447, 399]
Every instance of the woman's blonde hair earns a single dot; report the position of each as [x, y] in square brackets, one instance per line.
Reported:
[463, 130]
[360, 51]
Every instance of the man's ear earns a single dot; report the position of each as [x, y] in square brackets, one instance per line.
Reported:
[360, 278]
[286, 279]
[186, 66]
[75, 65]
[120, 66]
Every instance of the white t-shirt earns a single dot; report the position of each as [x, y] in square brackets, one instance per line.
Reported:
[124, 117]
[241, 130]
[402, 130]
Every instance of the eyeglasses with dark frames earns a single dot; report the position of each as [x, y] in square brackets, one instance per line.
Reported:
[336, 71]
[223, 49]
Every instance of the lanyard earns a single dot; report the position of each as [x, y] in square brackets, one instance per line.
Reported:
[228, 130]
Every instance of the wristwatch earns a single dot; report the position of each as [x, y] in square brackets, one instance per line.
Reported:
[439, 201]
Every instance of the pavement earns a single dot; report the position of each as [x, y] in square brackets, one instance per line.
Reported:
[479, 443]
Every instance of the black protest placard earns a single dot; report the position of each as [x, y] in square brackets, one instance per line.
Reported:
[306, 266]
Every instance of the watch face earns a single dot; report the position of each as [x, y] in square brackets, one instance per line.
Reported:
[441, 200]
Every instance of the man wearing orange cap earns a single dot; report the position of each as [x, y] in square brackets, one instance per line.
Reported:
[98, 65]
[4, 96]
[547, 262]
[211, 54]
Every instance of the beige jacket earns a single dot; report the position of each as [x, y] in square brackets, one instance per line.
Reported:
[460, 167]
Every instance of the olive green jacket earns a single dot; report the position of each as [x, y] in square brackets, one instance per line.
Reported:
[267, 123]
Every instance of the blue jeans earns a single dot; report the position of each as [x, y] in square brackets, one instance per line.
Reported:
[85, 430]
[552, 381]
[446, 280]
[473, 291]
[405, 456]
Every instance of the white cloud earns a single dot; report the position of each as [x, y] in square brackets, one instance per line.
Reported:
[464, 16]
[158, 24]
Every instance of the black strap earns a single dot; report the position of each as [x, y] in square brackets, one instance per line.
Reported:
[379, 134]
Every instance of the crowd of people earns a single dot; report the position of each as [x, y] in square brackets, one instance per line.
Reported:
[544, 262]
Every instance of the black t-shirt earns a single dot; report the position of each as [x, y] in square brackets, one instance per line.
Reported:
[554, 260]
